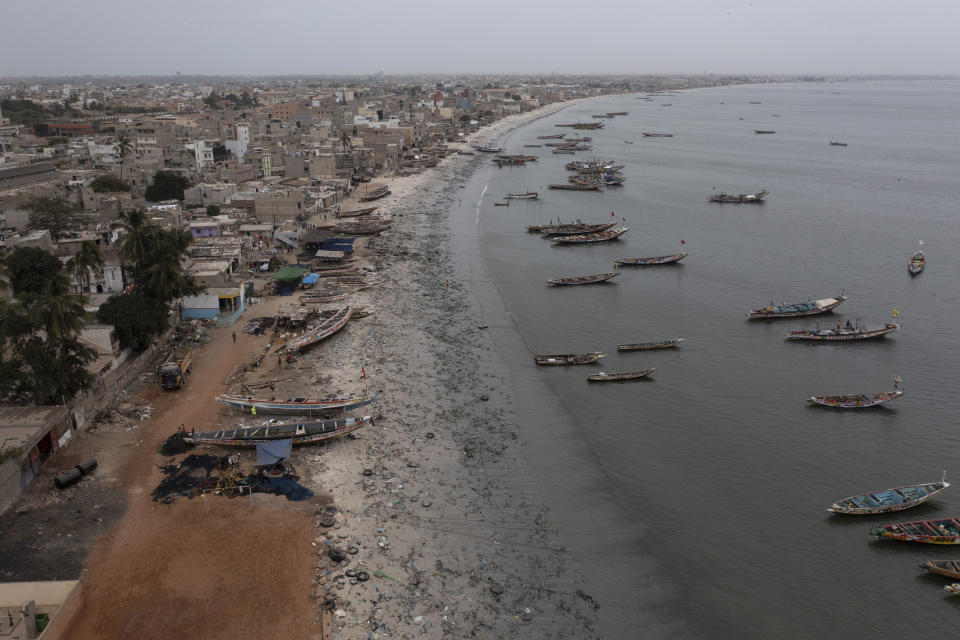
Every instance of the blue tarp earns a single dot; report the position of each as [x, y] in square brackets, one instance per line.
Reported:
[310, 278]
[269, 453]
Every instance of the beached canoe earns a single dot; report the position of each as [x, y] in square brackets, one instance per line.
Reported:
[319, 333]
[593, 279]
[602, 236]
[356, 212]
[643, 262]
[940, 531]
[841, 333]
[294, 406]
[563, 359]
[788, 310]
[889, 500]
[855, 400]
[301, 433]
[948, 568]
[917, 262]
[625, 375]
[646, 346]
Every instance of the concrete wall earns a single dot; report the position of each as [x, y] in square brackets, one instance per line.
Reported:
[9, 483]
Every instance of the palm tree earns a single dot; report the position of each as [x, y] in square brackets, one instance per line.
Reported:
[140, 236]
[345, 141]
[123, 147]
[89, 258]
[60, 314]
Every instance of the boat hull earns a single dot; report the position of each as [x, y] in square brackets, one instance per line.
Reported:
[844, 335]
[888, 500]
[307, 407]
[564, 359]
[646, 262]
[648, 346]
[620, 377]
[948, 568]
[570, 282]
[301, 434]
[940, 531]
[795, 311]
[854, 401]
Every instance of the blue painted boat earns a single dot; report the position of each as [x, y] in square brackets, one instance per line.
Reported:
[788, 310]
[889, 500]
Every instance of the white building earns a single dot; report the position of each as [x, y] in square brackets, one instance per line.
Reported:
[236, 139]
[202, 153]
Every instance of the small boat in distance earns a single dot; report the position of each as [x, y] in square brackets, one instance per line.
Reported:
[641, 262]
[529, 195]
[626, 375]
[657, 135]
[647, 346]
[917, 262]
[941, 531]
[592, 279]
[948, 568]
[602, 236]
[740, 197]
[575, 187]
[501, 204]
[764, 131]
[576, 228]
[833, 143]
[788, 310]
[558, 136]
[567, 358]
[487, 149]
[855, 400]
[755, 102]
[842, 333]
[888, 500]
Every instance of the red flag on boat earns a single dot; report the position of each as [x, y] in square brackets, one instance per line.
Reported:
[682, 242]
[612, 214]
[364, 371]
[624, 219]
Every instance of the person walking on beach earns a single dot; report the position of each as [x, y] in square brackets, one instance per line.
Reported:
[234, 337]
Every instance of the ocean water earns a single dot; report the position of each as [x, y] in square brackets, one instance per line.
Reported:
[694, 501]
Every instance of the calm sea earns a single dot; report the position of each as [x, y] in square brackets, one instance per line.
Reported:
[695, 501]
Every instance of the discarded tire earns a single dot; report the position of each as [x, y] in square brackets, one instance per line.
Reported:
[496, 588]
[350, 573]
[353, 551]
[362, 576]
[368, 472]
[67, 478]
[331, 509]
[87, 466]
[336, 555]
[330, 605]
[430, 434]
[327, 521]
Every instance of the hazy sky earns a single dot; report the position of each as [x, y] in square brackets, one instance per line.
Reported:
[64, 37]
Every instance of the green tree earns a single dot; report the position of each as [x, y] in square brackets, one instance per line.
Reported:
[53, 213]
[167, 185]
[30, 268]
[89, 258]
[213, 210]
[109, 183]
[123, 147]
[136, 318]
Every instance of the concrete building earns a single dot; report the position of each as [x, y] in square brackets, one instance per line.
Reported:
[29, 436]
[202, 155]
[224, 303]
[237, 139]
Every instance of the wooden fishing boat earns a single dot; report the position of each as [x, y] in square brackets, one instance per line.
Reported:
[529, 195]
[563, 359]
[301, 433]
[889, 500]
[319, 333]
[917, 262]
[593, 279]
[487, 149]
[602, 236]
[501, 204]
[764, 131]
[647, 346]
[941, 531]
[855, 400]
[517, 156]
[568, 152]
[838, 144]
[533, 146]
[618, 113]
[601, 115]
[948, 568]
[626, 375]
[576, 187]
[289, 406]
[677, 257]
[375, 195]
[356, 212]
[557, 136]
[841, 334]
[657, 135]
[787, 310]
[740, 197]
[577, 228]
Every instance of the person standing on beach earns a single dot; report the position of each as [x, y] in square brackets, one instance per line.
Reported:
[234, 337]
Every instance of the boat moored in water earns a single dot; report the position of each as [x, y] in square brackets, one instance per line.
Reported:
[788, 310]
[739, 197]
[592, 279]
[848, 333]
[948, 568]
[575, 228]
[917, 262]
[563, 359]
[602, 236]
[896, 499]
[940, 531]
[529, 195]
[647, 346]
[625, 375]
[487, 149]
[641, 262]
[657, 135]
[855, 400]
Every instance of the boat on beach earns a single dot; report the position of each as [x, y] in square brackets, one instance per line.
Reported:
[888, 500]
[839, 333]
[917, 262]
[319, 333]
[576, 228]
[356, 212]
[647, 346]
[677, 257]
[739, 197]
[940, 531]
[948, 568]
[487, 149]
[294, 405]
[376, 194]
[602, 236]
[301, 433]
[591, 279]
[529, 195]
[625, 375]
[563, 359]
[855, 400]
[792, 310]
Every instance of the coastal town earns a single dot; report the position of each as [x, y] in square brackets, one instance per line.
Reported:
[178, 256]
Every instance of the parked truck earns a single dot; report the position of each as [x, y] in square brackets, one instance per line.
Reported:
[173, 372]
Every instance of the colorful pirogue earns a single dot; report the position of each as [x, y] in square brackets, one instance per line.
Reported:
[294, 405]
[943, 531]
[840, 333]
[855, 400]
[788, 310]
[889, 500]
[300, 433]
[948, 568]
[602, 236]
[567, 358]
[321, 332]
[572, 229]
